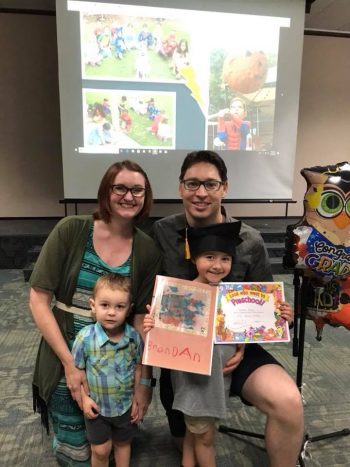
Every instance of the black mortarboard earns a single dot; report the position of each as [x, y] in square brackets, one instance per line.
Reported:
[215, 237]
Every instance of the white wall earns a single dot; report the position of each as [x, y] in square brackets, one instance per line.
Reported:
[30, 163]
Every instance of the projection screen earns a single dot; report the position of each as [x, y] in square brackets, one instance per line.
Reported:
[152, 83]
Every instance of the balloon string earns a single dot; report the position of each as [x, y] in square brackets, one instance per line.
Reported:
[305, 454]
[303, 386]
[318, 291]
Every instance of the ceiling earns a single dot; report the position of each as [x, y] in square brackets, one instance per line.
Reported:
[329, 15]
[325, 15]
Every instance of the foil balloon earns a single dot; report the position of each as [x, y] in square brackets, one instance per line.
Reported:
[319, 244]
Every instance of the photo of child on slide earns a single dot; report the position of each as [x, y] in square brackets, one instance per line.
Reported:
[242, 91]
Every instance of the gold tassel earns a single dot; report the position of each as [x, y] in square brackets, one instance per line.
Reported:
[187, 248]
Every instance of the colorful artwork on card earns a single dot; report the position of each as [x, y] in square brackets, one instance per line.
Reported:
[184, 309]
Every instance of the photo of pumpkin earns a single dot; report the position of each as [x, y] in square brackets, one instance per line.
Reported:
[245, 73]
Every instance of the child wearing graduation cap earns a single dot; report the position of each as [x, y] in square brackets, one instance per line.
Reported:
[201, 398]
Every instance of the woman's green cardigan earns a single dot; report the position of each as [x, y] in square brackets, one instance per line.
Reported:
[57, 269]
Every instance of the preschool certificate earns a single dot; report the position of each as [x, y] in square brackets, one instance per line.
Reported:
[249, 313]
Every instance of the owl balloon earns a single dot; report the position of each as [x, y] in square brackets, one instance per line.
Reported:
[319, 244]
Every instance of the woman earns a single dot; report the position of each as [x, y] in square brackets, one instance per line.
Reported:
[76, 253]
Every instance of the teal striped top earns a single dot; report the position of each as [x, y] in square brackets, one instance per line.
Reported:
[92, 267]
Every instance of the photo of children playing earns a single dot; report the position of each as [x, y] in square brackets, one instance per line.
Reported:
[99, 127]
[136, 48]
[129, 119]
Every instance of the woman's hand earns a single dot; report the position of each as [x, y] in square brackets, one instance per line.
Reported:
[235, 360]
[76, 378]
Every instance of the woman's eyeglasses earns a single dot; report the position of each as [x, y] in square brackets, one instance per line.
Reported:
[122, 190]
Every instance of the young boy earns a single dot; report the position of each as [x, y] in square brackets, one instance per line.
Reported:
[233, 131]
[110, 352]
[202, 398]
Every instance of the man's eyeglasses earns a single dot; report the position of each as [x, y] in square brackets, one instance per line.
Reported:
[194, 185]
[122, 190]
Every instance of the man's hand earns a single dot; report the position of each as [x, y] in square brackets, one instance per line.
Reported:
[235, 360]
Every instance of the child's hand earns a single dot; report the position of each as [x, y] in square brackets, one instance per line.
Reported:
[223, 112]
[136, 416]
[90, 408]
[148, 320]
[287, 312]
[233, 362]
[218, 143]
[140, 403]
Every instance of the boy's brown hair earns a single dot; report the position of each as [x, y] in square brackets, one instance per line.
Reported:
[113, 281]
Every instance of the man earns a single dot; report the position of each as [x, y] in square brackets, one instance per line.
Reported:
[256, 376]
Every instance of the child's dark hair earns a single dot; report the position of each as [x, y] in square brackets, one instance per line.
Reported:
[178, 48]
[113, 281]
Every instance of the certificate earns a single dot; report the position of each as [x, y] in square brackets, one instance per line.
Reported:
[249, 313]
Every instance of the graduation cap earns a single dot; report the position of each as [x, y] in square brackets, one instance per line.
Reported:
[215, 237]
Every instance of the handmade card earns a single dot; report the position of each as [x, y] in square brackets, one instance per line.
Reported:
[183, 336]
[248, 313]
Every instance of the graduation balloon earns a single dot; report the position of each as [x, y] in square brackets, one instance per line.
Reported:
[319, 244]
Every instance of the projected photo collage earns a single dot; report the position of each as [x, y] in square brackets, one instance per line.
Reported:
[177, 79]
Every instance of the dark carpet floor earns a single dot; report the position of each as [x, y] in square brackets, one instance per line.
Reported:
[326, 379]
